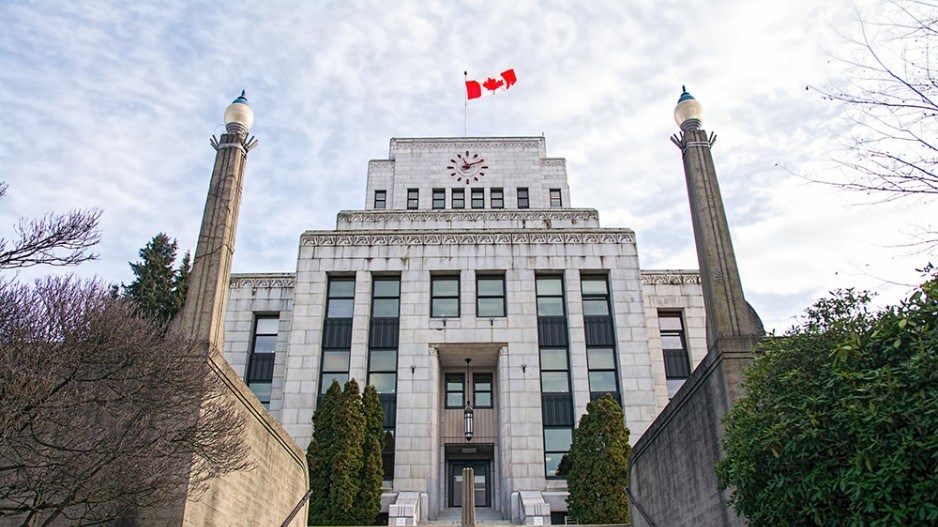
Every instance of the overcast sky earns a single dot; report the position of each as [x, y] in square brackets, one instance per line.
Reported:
[112, 104]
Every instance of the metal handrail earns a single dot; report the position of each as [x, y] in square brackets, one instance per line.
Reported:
[299, 505]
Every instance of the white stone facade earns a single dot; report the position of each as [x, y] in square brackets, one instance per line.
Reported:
[416, 237]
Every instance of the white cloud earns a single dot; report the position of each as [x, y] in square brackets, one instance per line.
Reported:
[111, 104]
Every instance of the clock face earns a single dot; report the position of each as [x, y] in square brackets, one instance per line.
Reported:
[467, 167]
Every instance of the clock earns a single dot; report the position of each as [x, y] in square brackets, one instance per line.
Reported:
[467, 167]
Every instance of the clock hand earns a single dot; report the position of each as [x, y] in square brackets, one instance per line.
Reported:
[467, 165]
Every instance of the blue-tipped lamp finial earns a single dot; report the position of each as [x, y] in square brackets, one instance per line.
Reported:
[239, 117]
[688, 113]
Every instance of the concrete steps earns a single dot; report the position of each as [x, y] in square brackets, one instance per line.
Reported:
[484, 516]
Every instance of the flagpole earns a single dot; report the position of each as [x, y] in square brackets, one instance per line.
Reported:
[465, 109]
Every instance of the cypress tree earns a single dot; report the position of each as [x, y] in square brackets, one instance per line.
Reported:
[368, 501]
[345, 473]
[599, 459]
[320, 456]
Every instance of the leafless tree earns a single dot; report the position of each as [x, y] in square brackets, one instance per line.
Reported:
[890, 95]
[103, 412]
[54, 239]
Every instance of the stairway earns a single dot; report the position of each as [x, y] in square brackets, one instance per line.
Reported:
[484, 516]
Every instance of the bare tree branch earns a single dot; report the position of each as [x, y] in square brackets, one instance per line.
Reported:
[890, 98]
[54, 239]
[103, 412]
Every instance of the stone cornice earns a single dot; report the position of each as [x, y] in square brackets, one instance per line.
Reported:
[253, 280]
[481, 237]
[535, 144]
[376, 216]
[670, 277]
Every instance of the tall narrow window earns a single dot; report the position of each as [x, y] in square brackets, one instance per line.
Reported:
[337, 331]
[413, 198]
[482, 390]
[676, 362]
[444, 296]
[455, 390]
[490, 296]
[261, 361]
[523, 202]
[459, 198]
[382, 357]
[497, 198]
[556, 399]
[600, 338]
[381, 199]
[555, 199]
[439, 198]
[478, 198]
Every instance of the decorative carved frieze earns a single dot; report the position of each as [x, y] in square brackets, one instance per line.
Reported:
[381, 163]
[262, 280]
[553, 162]
[670, 277]
[384, 216]
[339, 238]
[477, 143]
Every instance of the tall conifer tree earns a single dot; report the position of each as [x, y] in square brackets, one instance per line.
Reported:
[368, 501]
[158, 289]
[599, 459]
[321, 454]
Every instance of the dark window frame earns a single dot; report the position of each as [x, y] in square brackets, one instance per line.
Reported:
[682, 335]
[480, 295]
[497, 198]
[325, 373]
[460, 202]
[446, 391]
[267, 355]
[477, 198]
[413, 198]
[524, 198]
[476, 391]
[381, 199]
[434, 296]
[438, 198]
[556, 198]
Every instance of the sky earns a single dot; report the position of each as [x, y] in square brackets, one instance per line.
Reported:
[112, 104]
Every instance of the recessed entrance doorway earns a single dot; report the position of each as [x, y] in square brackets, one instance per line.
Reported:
[482, 485]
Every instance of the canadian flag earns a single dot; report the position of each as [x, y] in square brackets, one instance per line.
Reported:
[491, 85]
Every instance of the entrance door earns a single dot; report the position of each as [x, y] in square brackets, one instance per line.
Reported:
[481, 484]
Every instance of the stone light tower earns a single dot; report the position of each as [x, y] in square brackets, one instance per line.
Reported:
[733, 327]
[203, 314]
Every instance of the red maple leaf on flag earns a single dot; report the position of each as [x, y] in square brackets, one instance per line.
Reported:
[492, 84]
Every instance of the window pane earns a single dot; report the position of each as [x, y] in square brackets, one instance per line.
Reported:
[557, 439]
[602, 381]
[550, 307]
[669, 323]
[555, 359]
[595, 307]
[454, 384]
[600, 359]
[550, 286]
[671, 342]
[261, 390]
[383, 382]
[483, 383]
[554, 381]
[384, 360]
[335, 361]
[445, 286]
[491, 286]
[340, 308]
[341, 288]
[387, 288]
[491, 307]
[267, 326]
[594, 287]
[483, 400]
[454, 400]
[445, 307]
[385, 307]
[327, 379]
[552, 462]
[265, 343]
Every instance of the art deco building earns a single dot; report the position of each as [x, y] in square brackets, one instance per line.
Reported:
[469, 277]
